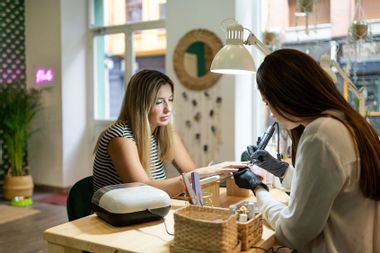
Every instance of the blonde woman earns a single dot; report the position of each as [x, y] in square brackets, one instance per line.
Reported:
[134, 148]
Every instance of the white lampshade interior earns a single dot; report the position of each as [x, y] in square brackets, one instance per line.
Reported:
[233, 59]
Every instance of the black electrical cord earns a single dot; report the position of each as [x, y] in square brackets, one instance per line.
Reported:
[166, 227]
[278, 141]
[163, 220]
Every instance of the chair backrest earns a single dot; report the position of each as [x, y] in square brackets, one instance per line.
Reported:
[78, 202]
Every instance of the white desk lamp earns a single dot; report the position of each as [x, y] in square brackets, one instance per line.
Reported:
[234, 58]
[326, 63]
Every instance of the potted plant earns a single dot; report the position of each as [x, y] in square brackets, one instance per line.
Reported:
[18, 107]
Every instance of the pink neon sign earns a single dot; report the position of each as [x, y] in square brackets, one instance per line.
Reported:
[44, 75]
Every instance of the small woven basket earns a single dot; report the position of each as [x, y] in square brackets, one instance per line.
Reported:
[205, 229]
[250, 232]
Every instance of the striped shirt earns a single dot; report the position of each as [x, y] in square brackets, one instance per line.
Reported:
[104, 172]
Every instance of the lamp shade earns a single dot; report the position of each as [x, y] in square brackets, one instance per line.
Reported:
[233, 58]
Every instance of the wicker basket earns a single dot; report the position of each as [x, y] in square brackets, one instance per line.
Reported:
[250, 232]
[205, 229]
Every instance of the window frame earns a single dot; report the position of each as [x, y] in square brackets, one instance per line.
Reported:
[128, 31]
[98, 125]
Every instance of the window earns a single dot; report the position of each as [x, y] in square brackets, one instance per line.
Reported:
[331, 32]
[128, 35]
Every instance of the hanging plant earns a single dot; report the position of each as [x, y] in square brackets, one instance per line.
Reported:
[359, 31]
[304, 6]
[269, 38]
[272, 40]
[359, 25]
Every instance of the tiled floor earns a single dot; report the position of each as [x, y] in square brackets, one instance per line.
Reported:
[25, 235]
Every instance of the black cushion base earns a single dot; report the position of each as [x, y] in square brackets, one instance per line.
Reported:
[119, 220]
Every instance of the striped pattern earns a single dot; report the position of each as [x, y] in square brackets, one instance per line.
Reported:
[103, 169]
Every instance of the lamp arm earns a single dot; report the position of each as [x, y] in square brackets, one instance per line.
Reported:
[253, 40]
[353, 87]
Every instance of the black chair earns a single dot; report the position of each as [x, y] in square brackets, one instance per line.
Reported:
[78, 202]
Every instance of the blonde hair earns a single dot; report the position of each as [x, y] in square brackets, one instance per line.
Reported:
[139, 98]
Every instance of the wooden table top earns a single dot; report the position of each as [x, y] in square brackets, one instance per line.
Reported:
[93, 234]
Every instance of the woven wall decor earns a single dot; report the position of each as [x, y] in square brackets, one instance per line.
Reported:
[212, 43]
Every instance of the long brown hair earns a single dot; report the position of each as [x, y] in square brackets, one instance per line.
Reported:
[139, 98]
[294, 84]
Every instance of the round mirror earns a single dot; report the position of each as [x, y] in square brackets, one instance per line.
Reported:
[193, 56]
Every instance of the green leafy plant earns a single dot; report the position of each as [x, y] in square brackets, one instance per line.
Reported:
[18, 107]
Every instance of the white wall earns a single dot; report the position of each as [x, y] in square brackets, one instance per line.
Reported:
[55, 35]
[77, 162]
[43, 49]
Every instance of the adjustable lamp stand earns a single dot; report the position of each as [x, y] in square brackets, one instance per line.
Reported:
[234, 58]
[253, 40]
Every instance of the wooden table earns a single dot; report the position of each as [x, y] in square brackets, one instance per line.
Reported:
[93, 234]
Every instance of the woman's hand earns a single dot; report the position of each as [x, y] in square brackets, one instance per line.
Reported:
[221, 168]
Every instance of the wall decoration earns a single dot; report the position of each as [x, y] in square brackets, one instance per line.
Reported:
[192, 59]
[213, 129]
[12, 42]
[44, 76]
[197, 117]
[193, 56]
[12, 58]
[184, 95]
[211, 113]
[201, 136]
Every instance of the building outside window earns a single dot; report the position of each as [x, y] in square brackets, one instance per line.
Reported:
[128, 35]
[327, 29]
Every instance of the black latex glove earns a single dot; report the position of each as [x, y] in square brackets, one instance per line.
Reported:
[245, 178]
[263, 159]
[245, 157]
[251, 150]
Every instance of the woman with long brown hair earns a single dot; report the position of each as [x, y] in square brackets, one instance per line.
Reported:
[134, 148]
[335, 182]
